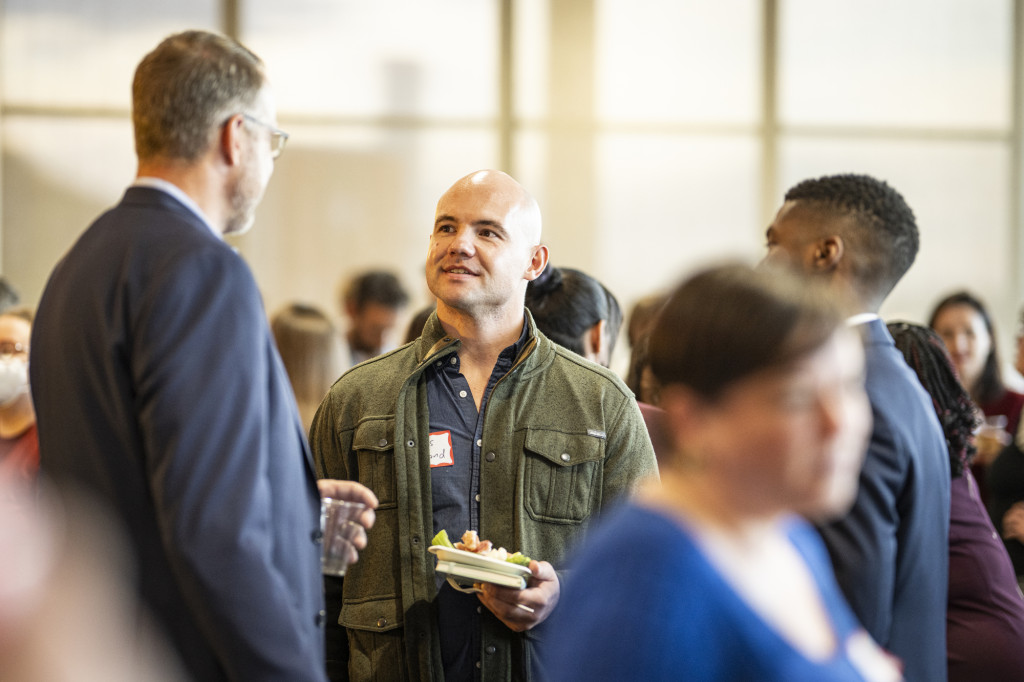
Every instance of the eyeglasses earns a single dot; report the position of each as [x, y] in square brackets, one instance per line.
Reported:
[277, 136]
[12, 348]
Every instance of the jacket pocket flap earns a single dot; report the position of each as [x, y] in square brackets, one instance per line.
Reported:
[374, 434]
[377, 615]
[564, 449]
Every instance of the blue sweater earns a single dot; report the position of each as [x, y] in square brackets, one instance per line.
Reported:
[643, 603]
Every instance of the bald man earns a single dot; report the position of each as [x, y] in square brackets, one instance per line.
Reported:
[480, 424]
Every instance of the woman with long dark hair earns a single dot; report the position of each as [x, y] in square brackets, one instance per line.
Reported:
[984, 609]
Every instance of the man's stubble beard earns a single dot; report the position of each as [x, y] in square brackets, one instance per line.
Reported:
[246, 194]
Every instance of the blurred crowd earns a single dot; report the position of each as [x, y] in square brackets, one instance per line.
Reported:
[784, 486]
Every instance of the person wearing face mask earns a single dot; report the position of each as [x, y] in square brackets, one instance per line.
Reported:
[19, 444]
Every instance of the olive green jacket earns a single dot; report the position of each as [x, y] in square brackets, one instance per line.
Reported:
[562, 439]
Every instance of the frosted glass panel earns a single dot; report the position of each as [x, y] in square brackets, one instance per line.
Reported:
[386, 57]
[344, 199]
[58, 176]
[667, 204]
[944, 63]
[960, 195]
[678, 60]
[531, 36]
[83, 53]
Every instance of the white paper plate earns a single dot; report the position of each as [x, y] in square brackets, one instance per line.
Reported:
[460, 556]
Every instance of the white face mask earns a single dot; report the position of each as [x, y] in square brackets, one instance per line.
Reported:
[13, 378]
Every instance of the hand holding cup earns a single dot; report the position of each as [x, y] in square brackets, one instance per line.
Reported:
[346, 513]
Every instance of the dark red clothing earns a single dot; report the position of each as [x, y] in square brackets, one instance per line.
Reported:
[1006, 486]
[19, 456]
[985, 611]
[1009, 404]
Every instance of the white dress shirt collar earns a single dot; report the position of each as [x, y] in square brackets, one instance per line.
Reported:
[861, 318]
[177, 193]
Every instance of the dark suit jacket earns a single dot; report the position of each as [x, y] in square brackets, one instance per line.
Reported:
[891, 551]
[159, 389]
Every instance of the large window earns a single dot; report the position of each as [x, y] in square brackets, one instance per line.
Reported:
[657, 134]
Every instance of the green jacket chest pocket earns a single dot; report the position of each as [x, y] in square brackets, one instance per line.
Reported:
[374, 444]
[563, 475]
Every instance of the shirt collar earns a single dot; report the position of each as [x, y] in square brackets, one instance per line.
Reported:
[512, 352]
[861, 318]
[179, 194]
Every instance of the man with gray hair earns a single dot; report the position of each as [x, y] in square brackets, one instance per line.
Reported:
[481, 424]
[159, 390]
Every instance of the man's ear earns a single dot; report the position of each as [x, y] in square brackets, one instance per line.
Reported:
[827, 253]
[538, 262]
[230, 140]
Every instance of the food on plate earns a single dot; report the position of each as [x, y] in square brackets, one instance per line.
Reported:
[471, 542]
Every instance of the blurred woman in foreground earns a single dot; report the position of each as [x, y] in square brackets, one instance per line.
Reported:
[711, 574]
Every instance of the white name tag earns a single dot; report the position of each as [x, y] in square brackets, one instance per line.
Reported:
[441, 449]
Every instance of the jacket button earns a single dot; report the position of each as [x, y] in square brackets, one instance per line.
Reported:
[491, 649]
[566, 457]
[381, 622]
[382, 442]
[321, 618]
[318, 536]
[410, 443]
[489, 456]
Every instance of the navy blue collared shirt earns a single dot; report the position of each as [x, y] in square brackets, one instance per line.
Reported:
[456, 433]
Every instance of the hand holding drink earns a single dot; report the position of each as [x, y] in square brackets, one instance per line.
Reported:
[346, 513]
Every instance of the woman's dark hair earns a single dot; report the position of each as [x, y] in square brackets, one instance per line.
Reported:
[565, 303]
[926, 354]
[641, 319]
[989, 386]
[415, 328]
[729, 322]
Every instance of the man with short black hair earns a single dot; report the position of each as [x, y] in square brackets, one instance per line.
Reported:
[372, 302]
[890, 552]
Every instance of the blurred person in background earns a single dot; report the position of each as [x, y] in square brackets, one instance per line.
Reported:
[19, 441]
[712, 574]
[638, 375]
[576, 311]
[984, 610]
[311, 352]
[417, 322]
[1006, 483]
[371, 302]
[965, 326]
[8, 295]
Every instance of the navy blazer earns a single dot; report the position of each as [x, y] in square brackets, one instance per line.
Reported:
[158, 388]
[891, 552]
